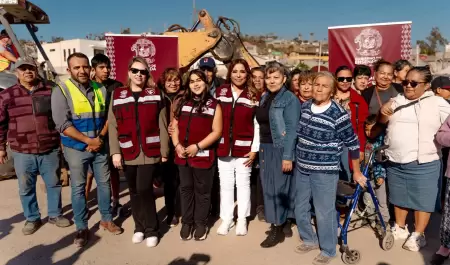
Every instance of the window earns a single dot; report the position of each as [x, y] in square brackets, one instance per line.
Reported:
[68, 51]
[65, 55]
[98, 51]
[73, 50]
[52, 50]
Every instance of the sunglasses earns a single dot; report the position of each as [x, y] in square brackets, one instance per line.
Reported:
[413, 84]
[342, 79]
[27, 67]
[135, 71]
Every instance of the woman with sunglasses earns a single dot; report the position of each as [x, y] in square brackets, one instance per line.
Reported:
[197, 127]
[139, 141]
[414, 168]
[358, 111]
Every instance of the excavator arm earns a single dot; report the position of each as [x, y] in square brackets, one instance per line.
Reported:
[222, 39]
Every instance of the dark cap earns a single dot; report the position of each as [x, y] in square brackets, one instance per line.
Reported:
[25, 61]
[3, 34]
[207, 62]
[441, 81]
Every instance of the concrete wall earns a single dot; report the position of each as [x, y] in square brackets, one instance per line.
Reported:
[59, 51]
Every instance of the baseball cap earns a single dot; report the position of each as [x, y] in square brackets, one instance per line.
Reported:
[3, 34]
[441, 81]
[25, 61]
[207, 62]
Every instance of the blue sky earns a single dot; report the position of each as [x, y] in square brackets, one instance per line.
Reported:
[286, 18]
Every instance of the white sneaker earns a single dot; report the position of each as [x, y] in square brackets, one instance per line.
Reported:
[137, 238]
[152, 241]
[415, 242]
[225, 227]
[399, 233]
[241, 227]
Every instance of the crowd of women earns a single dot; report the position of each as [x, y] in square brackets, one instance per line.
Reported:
[300, 132]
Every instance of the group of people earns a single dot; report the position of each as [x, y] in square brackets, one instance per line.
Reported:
[290, 135]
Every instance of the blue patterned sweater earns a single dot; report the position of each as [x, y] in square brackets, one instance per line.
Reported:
[321, 138]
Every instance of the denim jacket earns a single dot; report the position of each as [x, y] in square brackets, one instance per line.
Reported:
[284, 114]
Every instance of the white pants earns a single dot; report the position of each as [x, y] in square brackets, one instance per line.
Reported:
[232, 170]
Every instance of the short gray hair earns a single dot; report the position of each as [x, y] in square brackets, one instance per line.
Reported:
[330, 76]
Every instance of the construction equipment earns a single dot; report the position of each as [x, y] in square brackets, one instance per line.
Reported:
[222, 39]
[25, 13]
[28, 14]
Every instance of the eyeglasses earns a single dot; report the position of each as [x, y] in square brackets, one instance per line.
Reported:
[142, 71]
[413, 84]
[342, 79]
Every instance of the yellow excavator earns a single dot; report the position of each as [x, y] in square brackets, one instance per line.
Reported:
[221, 38]
[23, 12]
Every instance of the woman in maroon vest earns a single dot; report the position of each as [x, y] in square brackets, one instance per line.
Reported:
[138, 134]
[238, 146]
[197, 126]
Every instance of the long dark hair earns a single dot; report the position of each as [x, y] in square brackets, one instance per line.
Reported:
[199, 101]
[249, 84]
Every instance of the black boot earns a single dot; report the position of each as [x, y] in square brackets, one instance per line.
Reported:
[287, 229]
[275, 236]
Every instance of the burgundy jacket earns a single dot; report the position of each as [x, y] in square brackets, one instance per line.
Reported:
[26, 120]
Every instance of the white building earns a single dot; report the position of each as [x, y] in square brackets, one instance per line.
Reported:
[59, 51]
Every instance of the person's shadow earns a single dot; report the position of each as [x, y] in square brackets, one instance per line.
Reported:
[43, 254]
[195, 259]
[6, 224]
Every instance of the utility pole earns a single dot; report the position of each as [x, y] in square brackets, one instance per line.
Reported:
[194, 12]
[417, 54]
[320, 55]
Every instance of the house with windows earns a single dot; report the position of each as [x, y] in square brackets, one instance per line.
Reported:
[58, 52]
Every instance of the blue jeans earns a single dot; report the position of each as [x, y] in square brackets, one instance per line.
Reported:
[78, 164]
[322, 189]
[345, 173]
[27, 167]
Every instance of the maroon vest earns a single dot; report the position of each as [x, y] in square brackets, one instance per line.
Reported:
[27, 119]
[193, 127]
[137, 122]
[238, 126]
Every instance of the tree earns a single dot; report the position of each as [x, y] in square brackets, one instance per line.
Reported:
[302, 66]
[57, 39]
[433, 43]
[125, 31]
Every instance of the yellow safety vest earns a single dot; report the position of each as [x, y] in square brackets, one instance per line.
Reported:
[86, 118]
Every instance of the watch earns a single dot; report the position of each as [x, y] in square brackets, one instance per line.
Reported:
[198, 147]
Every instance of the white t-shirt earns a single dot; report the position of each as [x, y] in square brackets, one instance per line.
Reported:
[320, 109]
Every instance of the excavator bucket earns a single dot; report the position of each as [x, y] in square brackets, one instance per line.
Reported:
[218, 38]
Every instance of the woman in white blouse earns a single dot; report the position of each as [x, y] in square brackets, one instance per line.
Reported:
[414, 168]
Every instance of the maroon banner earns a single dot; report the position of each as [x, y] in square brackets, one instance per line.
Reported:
[366, 44]
[160, 52]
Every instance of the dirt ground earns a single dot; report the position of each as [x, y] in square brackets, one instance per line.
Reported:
[52, 245]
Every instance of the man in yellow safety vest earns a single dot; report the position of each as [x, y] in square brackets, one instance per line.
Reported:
[79, 111]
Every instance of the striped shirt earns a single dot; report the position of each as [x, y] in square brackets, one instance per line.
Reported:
[321, 138]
